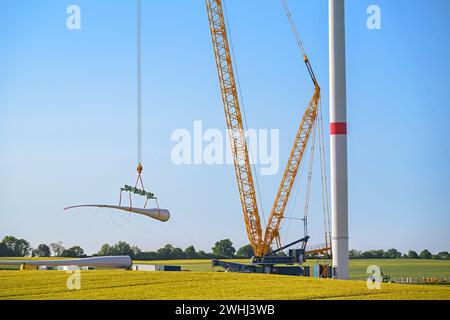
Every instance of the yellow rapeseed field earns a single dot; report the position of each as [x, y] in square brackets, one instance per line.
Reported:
[121, 284]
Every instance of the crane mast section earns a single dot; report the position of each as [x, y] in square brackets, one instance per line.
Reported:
[234, 123]
[291, 170]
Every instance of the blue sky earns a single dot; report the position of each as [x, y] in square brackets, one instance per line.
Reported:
[67, 118]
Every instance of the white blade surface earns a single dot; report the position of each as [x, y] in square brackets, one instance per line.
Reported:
[162, 215]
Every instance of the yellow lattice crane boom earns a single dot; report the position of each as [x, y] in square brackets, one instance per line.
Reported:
[234, 123]
[290, 173]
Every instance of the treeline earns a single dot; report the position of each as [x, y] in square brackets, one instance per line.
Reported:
[223, 249]
[395, 254]
[12, 247]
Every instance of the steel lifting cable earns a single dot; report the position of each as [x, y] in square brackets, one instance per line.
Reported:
[323, 186]
[292, 204]
[319, 28]
[425, 83]
[303, 52]
[138, 188]
[308, 189]
[324, 179]
[309, 179]
[139, 79]
[325, 198]
[139, 95]
[299, 41]
[293, 27]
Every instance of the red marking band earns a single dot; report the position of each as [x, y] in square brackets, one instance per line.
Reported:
[338, 128]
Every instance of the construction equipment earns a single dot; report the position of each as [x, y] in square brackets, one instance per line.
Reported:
[140, 168]
[264, 259]
[138, 189]
[135, 190]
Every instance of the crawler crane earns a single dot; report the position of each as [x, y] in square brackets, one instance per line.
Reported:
[265, 259]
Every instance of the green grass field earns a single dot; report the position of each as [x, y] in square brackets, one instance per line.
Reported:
[396, 268]
[198, 285]
[201, 283]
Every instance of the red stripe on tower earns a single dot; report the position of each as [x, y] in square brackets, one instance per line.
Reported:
[338, 128]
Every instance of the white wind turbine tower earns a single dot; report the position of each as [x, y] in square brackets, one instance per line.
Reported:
[338, 138]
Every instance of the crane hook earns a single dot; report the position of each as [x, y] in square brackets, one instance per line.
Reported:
[139, 168]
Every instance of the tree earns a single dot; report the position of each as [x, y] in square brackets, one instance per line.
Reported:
[392, 254]
[378, 254]
[74, 252]
[166, 251]
[4, 252]
[137, 253]
[177, 253]
[373, 254]
[444, 255]
[224, 248]
[245, 251]
[203, 254]
[105, 250]
[425, 254]
[122, 248]
[190, 252]
[57, 248]
[42, 250]
[16, 247]
[412, 255]
[354, 254]
[150, 255]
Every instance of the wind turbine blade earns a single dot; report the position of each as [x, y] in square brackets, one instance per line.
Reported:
[162, 215]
